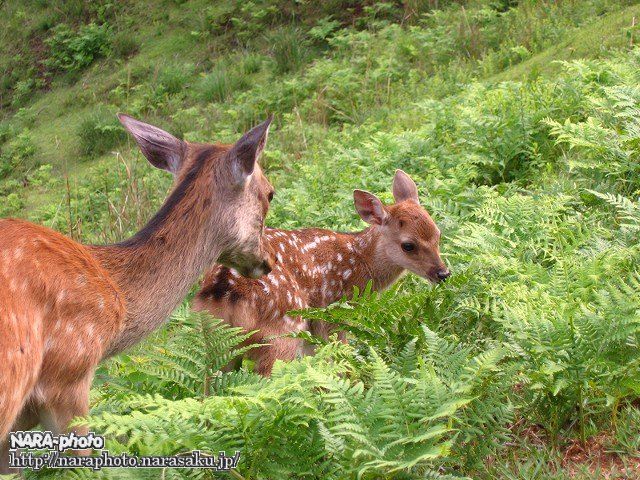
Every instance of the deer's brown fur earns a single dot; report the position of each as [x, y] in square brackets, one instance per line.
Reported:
[317, 267]
[66, 306]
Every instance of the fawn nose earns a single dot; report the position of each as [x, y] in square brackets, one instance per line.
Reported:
[443, 274]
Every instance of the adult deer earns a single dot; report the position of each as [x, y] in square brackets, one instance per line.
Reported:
[318, 267]
[65, 306]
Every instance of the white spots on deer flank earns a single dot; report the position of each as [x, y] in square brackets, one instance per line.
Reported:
[346, 274]
[352, 261]
[62, 294]
[289, 296]
[274, 280]
[339, 257]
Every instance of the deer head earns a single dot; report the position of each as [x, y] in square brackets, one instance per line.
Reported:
[409, 238]
[229, 175]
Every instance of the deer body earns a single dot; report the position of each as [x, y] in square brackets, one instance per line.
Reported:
[58, 310]
[65, 306]
[314, 268]
[317, 267]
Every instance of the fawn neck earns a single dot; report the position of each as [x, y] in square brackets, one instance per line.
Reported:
[352, 260]
[156, 267]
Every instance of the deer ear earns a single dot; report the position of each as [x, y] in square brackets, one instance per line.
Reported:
[162, 149]
[369, 207]
[404, 188]
[245, 153]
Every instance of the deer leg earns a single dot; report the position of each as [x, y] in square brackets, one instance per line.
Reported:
[283, 348]
[71, 402]
[27, 419]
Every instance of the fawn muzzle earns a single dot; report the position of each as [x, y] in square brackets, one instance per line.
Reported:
[443, 274]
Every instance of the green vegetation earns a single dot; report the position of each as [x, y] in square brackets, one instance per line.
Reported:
[520, 122]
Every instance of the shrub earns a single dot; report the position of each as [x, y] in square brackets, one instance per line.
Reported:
[16, 155]
[11, 204]
[71, 50]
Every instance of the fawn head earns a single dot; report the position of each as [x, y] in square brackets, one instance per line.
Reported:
[229, 178]
[409, 238]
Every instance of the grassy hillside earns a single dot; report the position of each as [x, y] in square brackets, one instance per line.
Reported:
[520, 122]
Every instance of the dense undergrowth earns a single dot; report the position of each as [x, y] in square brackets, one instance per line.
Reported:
[532, 177]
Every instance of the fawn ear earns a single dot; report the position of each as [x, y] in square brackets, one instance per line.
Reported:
[404, 188]
[369, 207]
[245, 152]
[162, 149]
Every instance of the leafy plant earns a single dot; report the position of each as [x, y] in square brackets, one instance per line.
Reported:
[71, 50]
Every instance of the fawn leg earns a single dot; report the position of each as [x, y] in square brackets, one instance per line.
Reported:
[283, 348]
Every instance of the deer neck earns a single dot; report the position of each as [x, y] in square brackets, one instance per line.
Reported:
[156, 267]
[354, 261]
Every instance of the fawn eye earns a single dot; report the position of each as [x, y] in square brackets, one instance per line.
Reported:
[270, 196]
[408, 246]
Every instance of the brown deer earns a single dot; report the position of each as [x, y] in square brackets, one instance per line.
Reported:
[317, 267]
[64, 306]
